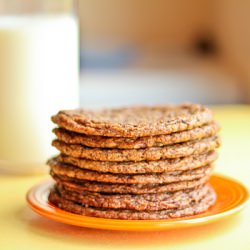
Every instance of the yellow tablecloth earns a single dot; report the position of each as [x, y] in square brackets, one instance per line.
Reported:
[21, 228]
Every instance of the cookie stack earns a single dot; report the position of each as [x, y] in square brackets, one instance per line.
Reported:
[136, 162]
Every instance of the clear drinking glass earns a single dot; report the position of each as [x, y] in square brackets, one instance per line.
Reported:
[38, 76]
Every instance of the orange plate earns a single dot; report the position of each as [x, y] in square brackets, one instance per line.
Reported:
[231, 198]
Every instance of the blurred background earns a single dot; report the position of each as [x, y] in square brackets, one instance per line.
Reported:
[164, 51]
[131, 52]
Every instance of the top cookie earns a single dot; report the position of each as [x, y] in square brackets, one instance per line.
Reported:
[134, 121]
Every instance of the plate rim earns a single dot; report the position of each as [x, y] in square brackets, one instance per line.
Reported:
[129, 225]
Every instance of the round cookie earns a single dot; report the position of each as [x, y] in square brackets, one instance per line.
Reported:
[141, 167]
[62, 169]
[134, 121]
[152, 202]
[125, 214]
[145, 154]
[70, 137]
[102, 187]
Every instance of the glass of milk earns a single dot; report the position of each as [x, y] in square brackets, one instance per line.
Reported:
[38, 77]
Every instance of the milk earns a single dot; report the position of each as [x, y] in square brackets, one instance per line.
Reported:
[38, 77]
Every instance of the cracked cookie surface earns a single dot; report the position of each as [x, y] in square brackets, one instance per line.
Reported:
[134, 121]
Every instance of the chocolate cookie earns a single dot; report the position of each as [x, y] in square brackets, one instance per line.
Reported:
[145, 154]
[125, 214]
[178, 199]
[70, 137]
[141, 167]
[62, 169]
[102, 187]
[134, 121]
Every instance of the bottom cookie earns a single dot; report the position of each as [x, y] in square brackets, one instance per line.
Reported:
[124, 214]
[152, 202]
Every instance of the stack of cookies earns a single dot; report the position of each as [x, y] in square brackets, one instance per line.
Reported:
[136, 162]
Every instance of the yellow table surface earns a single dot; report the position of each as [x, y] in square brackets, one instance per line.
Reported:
[21, 228]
